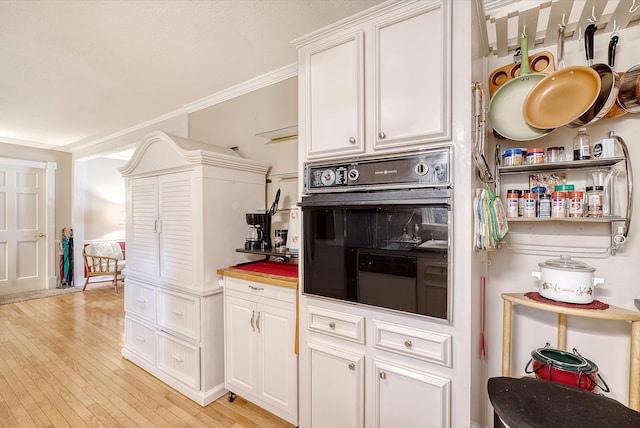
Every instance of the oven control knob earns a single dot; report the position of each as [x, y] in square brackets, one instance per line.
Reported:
[328, 177]
[422, 168]
[354, 174]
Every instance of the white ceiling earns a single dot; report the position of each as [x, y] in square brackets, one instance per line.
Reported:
[77, 71]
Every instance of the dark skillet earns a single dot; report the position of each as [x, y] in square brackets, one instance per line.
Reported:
[609, 85]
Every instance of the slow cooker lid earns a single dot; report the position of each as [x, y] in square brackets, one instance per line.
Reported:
[565, 263]
[562, 360]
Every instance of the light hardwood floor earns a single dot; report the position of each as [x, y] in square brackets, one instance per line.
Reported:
[60, 366]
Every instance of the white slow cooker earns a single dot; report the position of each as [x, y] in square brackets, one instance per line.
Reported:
[567, 280]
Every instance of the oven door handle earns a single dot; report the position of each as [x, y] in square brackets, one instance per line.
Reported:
[419, 197]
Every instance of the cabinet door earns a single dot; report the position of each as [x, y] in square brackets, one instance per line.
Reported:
[240, 345]
[337, 387]
[411, 76]
[408, 398]
[177, 229]
[142, 236]
[334, 97]
[278, 363]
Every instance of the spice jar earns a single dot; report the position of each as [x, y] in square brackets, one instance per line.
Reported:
[558, 204]
[538, 191]
[594, 201]
[513, 197]
[544, 206]
[575, 204]
[535, 156]
[555, 154]
[567, 188]
[512, 157]
[529, 204]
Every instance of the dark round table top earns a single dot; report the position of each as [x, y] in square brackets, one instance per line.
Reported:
[531, 402]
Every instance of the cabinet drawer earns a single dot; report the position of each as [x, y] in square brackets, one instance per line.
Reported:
[260, 289]
[141, 339]
[140, 299]
[339, 324]
[179, 313]
[179, 359]
[422, 344]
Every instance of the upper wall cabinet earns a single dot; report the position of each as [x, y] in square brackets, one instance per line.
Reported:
[378, 82]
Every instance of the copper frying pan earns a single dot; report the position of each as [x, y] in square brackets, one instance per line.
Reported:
[562, 96]
[609, 80]
[505, 107]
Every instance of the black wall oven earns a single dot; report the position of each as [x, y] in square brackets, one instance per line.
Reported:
[377, 232]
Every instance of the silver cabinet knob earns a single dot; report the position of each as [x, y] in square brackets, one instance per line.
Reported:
[352, 140]
[383, 375]
[408, 344]
[382, 135]
[332, 325]
[352, 366]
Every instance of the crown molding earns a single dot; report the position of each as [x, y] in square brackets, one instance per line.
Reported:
[254, 84]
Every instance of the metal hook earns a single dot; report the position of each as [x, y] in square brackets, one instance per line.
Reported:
[524, 30]
[593, 15]
[633, 7]
[564, 24]
[616, 27]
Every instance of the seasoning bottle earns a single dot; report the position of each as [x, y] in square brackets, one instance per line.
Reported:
[594, 201]
[512, 157]
[576, 208]
[521, 203]
[582, 145]
[567, 188]
[558, 204]
[544, 206]
[538, 191]
[529, 204]
[555, 154]
[535, 156]
[512, 203]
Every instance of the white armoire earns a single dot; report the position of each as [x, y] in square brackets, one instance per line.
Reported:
[185, 215]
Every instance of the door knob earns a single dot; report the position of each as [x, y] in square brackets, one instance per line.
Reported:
[39, 235]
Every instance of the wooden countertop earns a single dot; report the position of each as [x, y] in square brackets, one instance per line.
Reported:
[266, 278]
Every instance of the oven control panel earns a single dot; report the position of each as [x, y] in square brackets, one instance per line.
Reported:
[427, 169]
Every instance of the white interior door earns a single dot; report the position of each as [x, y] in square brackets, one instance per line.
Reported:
[23, 242]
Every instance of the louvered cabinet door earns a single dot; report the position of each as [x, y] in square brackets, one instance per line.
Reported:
[176, 232]
[142, 225]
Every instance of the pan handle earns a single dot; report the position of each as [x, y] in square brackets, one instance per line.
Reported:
[588, 41]
[560, 53]
[612, 50]
[525, 68]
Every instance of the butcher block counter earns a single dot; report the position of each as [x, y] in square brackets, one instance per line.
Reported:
[267, 272]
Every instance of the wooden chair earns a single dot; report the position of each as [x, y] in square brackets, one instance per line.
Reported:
[103, 259]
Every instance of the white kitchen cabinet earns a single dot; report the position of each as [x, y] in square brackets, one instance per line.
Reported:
[409, 398]
[185, 204]
[336, 387]
[388, 374]
[380, 84]
[260, 360]
[335, 90]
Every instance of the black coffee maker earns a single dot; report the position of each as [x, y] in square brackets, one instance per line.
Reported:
[259, 234]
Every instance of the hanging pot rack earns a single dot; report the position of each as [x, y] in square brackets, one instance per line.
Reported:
[507, 19]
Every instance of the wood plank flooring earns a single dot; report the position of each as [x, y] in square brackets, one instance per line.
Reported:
[60, 366]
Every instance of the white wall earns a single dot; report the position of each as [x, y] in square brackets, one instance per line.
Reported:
[235, 123]
[104, 196]
[605, 343]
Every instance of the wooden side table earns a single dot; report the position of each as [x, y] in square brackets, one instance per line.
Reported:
[612, 313]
